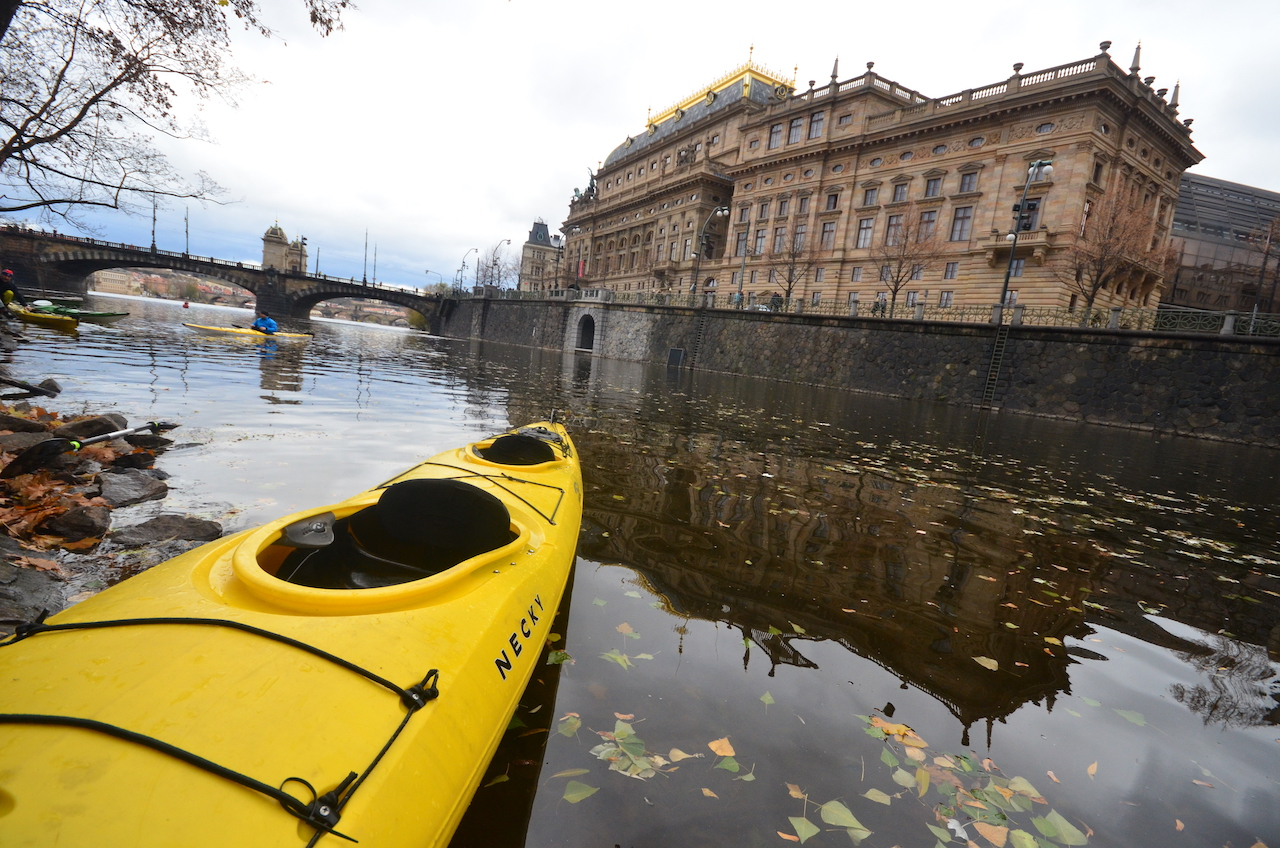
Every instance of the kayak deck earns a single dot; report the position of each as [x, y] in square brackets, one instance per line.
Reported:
[400, 688]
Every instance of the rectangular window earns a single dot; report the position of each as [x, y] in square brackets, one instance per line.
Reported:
[962, 223]
[744, 212]
[740, 249]
[795, 131]
[828, 235]
[1016, 267]
[1097, 173]
[819, 275]
[899, 192]
[733, 279]
[928, 225]
[775, 136]
[865, 227]
[853, 300]
[913, 297]
[869, 196]
[782, 207]
[969, 182]
[845, 119]
[855, 276]
[949, 273]
[764, 210]
[815, 125]
[833, 202]
[672, 254]
[660, 251]
[886, 273]
[779, 239]
[797, 241]
[816, 299]
[803, 209]
[688, 248]
[933, 187]
[773, 275]
[759, 246]
[917, 272]
[944, 299]
[755, 275]
[893, 232]
[1011, 298]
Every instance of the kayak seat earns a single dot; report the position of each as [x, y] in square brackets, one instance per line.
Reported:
[416, 529]
[517, 449]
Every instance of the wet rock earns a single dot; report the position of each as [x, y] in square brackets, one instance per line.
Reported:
[141, 459]
[157, 473]
[148, 440]
[127, 486]
[81, 522]
[165, 528]
[20, 425]
[22, 441]
[87, 428]
[25, 593]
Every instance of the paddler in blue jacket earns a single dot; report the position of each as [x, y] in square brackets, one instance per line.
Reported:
[265, 323]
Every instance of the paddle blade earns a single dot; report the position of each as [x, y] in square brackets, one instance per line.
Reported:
[36, 457]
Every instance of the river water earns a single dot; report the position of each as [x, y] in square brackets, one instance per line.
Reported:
[1079, 625]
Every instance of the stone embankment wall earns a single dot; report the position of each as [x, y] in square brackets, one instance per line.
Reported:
[1206, 386]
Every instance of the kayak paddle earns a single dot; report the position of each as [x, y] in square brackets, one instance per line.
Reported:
[41, 453]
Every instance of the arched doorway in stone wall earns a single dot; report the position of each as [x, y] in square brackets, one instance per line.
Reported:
[586, 333]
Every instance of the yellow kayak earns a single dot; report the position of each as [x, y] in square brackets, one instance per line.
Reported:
[245, 331]
[348, 669]
[57, 322]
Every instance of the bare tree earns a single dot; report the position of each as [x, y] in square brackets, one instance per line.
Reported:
[908, 252]
[498, 266]
[86, 84]
[1116, 246]
[793, 258]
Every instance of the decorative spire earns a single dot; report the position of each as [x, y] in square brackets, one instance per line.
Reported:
[835, 70]
[1137, 60]
[1173, 101]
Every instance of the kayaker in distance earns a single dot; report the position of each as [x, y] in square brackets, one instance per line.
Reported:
[265, 323]
[8, 291]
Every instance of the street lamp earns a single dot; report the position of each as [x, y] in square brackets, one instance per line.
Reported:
[437, 273]
[1041, 169]
[463, 266]
[493, 260]
[718, 212]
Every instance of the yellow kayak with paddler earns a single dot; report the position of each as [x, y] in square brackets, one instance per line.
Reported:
[57, 322]
[346, 670]
[244, 331]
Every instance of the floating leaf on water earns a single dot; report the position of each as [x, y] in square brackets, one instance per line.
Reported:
[502, 778]
[515, 723]
[1053, 641]
[997, 836]
[644, 656]
[790, 837]
[773, 631]
[721, 747]
[1202, 783]
[676, 755]
[942, 833]
[904, 778]
[575, 791]
[958, 829]
[915, 754]
[729, 764]
[1178, 825]
[1053, 777]
[877, 796]
[627, 717]
[1092, 769]
[748, 777]
[803, 827]
[857, 834]
[619, 658]
[797, 628]
[987, 663]
[1022, 839]
[1023, 787]
[624, 628]
[1130, 715]
[1045, 827]
[619, 497]
[708, 793]
[768, 699]
[598, 602]
[1073, 712]
[835, 813]
[887, 757]
[570, 772]
[794, 791]
[922, 780]
[632, 594]
[1091, 702]
[1068, 834]
[559, 658]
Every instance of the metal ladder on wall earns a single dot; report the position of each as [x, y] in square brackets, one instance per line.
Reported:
[697, 341]
[993, 366]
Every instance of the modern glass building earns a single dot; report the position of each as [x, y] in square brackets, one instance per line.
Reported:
[1227, 231]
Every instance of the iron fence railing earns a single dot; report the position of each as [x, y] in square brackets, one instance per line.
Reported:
[1112, 318]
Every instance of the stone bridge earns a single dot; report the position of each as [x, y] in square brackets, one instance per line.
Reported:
[49, 262]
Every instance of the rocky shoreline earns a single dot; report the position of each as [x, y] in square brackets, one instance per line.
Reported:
[57, 543]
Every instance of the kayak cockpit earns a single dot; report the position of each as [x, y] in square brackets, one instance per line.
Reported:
[416, 529]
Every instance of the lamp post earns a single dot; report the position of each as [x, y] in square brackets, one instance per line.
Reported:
[1041, 169]
[493, 260]
[718, 212]
[463, 266]
[429, 272]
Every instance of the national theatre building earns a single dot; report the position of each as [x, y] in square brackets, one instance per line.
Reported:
[803, 190]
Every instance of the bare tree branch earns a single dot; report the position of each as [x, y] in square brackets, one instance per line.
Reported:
[909, 251]
[1116, 249]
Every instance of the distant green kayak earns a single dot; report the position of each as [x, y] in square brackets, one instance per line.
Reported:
[245, 331]
[44, 307]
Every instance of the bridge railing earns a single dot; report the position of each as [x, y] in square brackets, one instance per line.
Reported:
[1236, 324]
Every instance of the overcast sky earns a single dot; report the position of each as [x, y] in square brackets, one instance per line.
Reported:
[445, 126]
